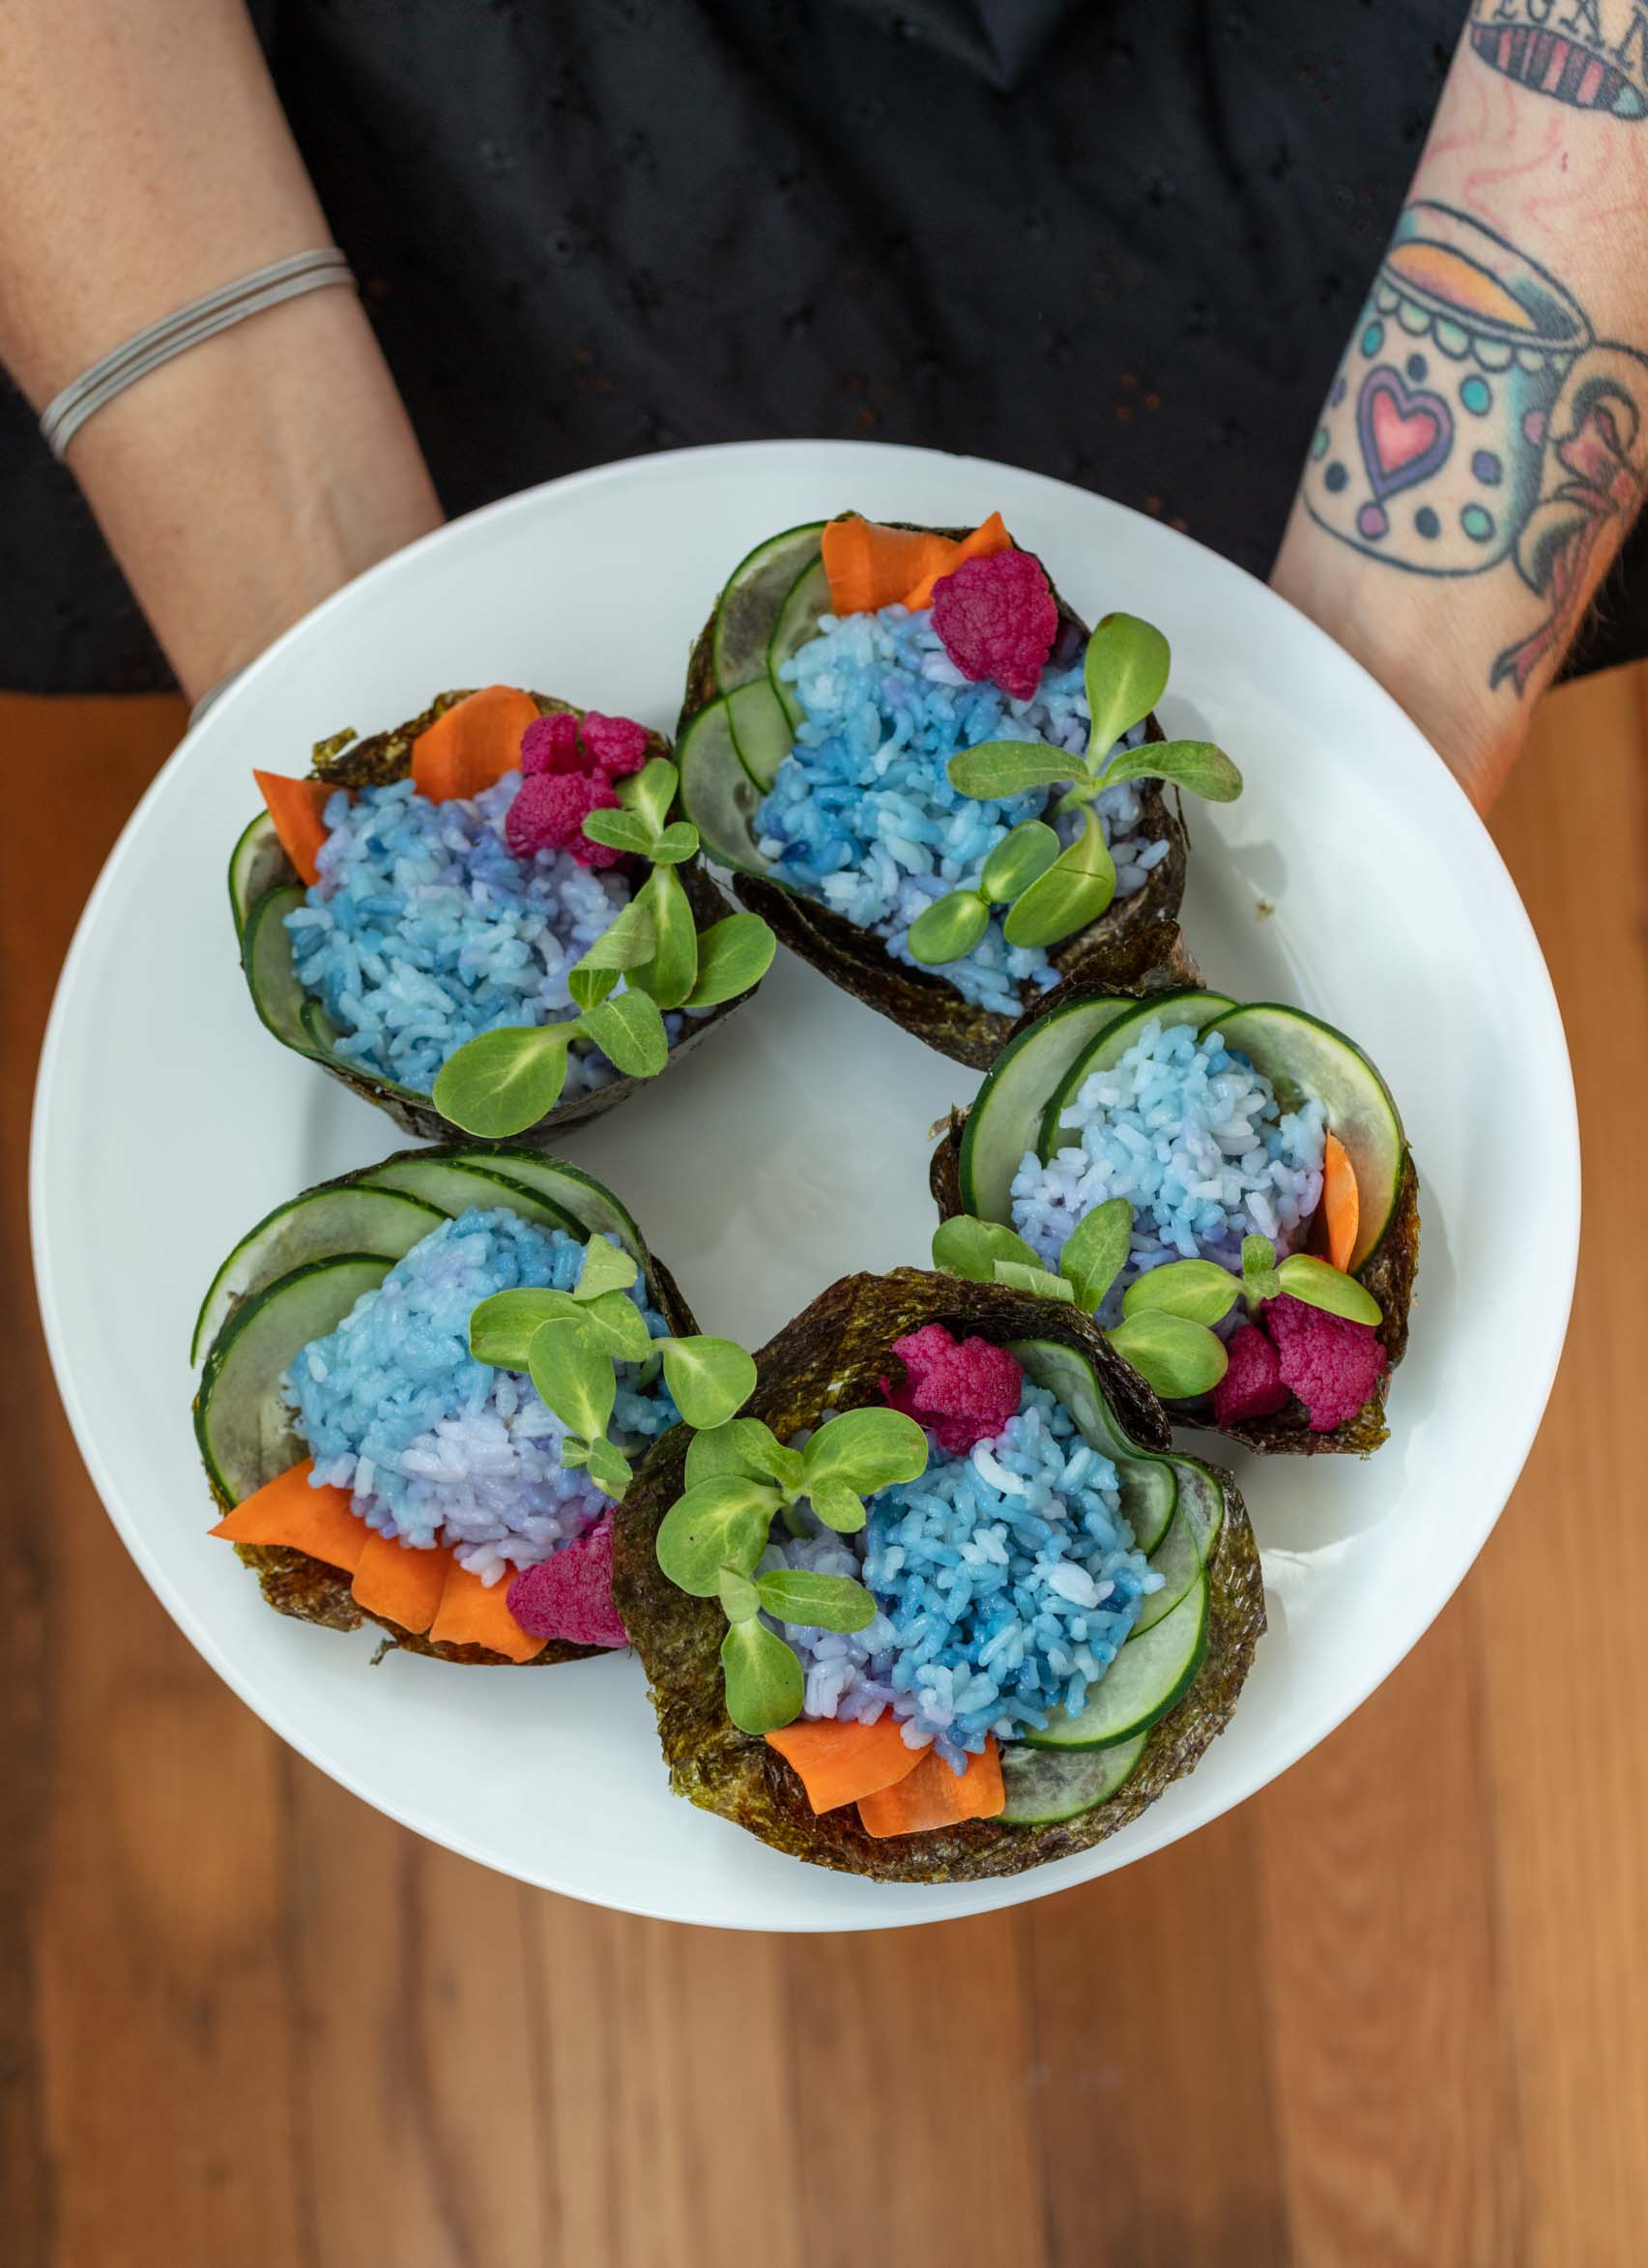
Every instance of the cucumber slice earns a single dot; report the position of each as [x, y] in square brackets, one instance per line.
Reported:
[241, 1423]
[749, 605]
[1045, 1786]
[717, 793]
[451, 1187]
[1301, 1056]
[589, 1204]
[1149, 1483]
[1177, 1560]
[1152, 1671]
[1107, 1050]
[354, 1219]
[798, 621]
[256, 864]
[1006, 1115]
[266, 955]
[762, 732]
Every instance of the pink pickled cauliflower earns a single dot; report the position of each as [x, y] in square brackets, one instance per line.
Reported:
[611, 746]
[1252, 1387]
[996, 618]
[569, 1595]
[549, 812]
[962, 1391]
[1330, 1362]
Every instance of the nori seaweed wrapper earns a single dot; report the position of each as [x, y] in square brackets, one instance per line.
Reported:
[380, 760]
[295, 1584]
[1138, 936]
[1388, 1273]
[833, 1356]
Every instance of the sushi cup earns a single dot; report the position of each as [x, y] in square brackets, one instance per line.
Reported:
[738, 723]
[1063, 1785]
[996, 1160]
[342, 1555]
[266, 886]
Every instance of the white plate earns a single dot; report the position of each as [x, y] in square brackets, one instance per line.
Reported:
[794, 1147]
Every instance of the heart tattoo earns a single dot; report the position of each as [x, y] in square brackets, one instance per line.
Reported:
[1405, 433]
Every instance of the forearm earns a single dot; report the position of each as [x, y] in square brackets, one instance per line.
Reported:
[1484, 446]
[144, 160]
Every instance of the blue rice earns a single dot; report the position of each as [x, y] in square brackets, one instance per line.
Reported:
[1196, 1141]
[862, 816]
[438, 1448]
[1004, 1582]
[425, 930]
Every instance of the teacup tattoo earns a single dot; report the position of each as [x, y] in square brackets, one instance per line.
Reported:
[1476, 418]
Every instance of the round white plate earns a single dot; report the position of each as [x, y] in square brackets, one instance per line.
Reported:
[792, 1148]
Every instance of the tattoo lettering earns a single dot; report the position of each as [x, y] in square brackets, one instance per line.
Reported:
[1477, 420]
[1591, 55]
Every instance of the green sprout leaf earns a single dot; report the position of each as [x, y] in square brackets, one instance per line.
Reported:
[838, 1506]
[708, 1379]
[505, 1081]
[998, 769]
[675, 846]
[630, 1031]
[1197, 766]
[614, 1326]
[739, 1595]
[966, 1246]
[1259, 1277]
[866, 1449]
[764, 1685]
[1074, 891]
[606, 1268]
[1126, 674]
[743, 1445]
[609, 1467]
[1096, 1251]
[1177, 1358]
[1199, 1291]
[627, 943]
[733, 955]
[619, 831]
[1319, 1284]
[574, 1376]
[502, 1329]
[650, 792]
[948, 928]
[815, 1602]
[720, 1523]
[1018, 859]
[1034, 1278]
[672, 971]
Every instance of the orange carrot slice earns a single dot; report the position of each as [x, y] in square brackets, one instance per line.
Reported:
[933, 1796]
[472, 1613]
[991, 537]
[401, 1584]
[838, 1761]
[1342, 1203]
[286, 1510]
[295, 805]
[869, 565]
[472, 744]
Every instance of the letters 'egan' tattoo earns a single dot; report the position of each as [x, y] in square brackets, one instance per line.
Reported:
[1476, 423]
[1591, 55]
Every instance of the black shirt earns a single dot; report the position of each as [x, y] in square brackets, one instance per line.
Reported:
[1123, 243]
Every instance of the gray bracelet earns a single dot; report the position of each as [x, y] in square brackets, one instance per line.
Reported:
[175, 334]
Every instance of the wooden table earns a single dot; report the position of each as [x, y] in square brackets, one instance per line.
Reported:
[1394, 2010]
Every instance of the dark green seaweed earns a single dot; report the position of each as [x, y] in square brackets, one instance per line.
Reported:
[833, 1355]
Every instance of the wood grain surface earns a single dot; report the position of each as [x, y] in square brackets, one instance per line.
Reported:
[1393, 2011]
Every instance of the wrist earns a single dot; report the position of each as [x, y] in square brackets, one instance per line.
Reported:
[243, 482]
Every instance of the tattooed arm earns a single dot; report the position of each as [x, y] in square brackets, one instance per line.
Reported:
[1484, 446]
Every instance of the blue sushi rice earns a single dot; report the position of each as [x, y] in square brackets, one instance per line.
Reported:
[426, 930]
[861, 814]
[1196, 1141]
[1004, 1584]
[436, 1447]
